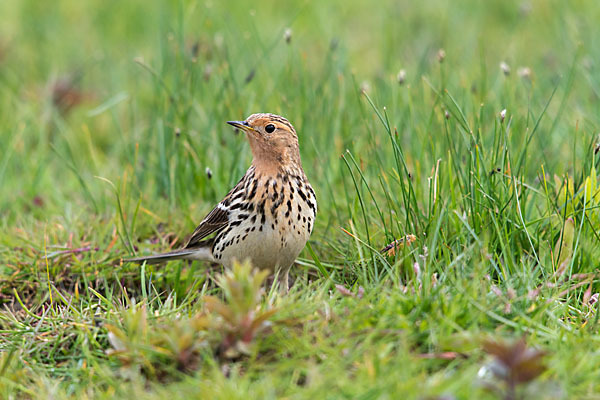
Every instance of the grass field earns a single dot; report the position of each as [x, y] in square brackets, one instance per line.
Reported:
[472, 125]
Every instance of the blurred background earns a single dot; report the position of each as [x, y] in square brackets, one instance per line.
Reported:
[137, 93]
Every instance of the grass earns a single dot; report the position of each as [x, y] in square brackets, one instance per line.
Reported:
[113, 141]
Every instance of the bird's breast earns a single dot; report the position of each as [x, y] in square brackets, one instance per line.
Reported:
[272, 225]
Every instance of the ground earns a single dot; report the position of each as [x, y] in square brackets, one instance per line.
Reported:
[453, 149]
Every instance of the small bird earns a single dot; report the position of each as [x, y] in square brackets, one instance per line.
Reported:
[268, 216]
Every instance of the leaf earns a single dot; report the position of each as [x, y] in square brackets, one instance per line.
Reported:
[565, 195]
[529, 366]
[390, 249]
[518, 363]
[116, 337]
[260, 319]
[563, 249]
[592, 195]
[213, 304]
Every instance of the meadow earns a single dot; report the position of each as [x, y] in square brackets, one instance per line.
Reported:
[453, 147]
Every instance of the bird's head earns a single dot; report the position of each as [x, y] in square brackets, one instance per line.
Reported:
[272, 138]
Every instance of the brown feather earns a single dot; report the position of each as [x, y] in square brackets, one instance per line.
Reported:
[216, 220]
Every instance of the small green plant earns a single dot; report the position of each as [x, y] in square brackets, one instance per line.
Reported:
[158, 347]
[240, 318]
[572, 203]
[513, 364]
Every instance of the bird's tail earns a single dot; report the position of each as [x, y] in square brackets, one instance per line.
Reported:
[182, 254]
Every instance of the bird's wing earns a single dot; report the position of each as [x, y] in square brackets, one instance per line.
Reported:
[216, 220]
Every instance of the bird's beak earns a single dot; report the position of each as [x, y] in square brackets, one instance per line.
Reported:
[242, 125]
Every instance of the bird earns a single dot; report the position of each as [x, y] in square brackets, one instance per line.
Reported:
[268, 216]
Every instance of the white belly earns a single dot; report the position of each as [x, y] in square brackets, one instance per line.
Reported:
[266, 250]
[268, 246]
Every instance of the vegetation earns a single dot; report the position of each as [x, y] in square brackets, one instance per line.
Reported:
[453, 149]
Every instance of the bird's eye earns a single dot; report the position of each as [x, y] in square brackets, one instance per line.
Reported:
[270, 128]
